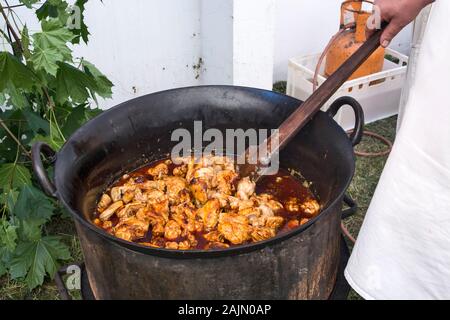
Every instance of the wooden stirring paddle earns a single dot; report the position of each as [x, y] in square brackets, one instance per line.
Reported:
[306, 111]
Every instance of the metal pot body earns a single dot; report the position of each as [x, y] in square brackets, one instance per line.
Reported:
[299, 265]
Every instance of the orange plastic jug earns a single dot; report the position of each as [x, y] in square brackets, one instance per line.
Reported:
[350, 40]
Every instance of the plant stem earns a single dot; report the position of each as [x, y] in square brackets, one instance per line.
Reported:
[6, 37]
[9, 132]
[11, 29]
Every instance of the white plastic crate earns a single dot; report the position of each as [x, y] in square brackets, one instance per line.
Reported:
[379, 94]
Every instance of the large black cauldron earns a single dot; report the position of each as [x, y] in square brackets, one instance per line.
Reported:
[299, 265]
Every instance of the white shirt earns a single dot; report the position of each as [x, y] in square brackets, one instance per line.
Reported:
[403, 248]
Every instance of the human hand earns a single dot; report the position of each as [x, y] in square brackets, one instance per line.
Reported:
[398, 14]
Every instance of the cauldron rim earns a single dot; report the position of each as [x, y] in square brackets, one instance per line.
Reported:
[196, 254]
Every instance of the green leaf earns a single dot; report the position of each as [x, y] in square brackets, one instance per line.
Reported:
[16, 97]
[47, 10]
[35, 122]
[8, 235]
[54, 36]
[5, 259]
[25, 42]
[8, 199]
[53, 142]
[29, 3]
[73, 83]
[15, 72]
[2, 99]
[33, 204]
[46, 59]
[82, 30]
[102, 84]
[75, 119]
[14, 176]
[31, 229]
[34, 260]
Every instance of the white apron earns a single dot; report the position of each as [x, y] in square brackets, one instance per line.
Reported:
[403, 248]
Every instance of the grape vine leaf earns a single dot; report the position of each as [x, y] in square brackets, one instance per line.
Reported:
[36, 259]
[12, 71]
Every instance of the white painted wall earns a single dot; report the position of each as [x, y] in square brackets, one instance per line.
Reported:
[145, 46]
[305, 27]
[152, 45]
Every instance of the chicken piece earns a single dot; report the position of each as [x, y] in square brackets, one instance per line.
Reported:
[214, 236]
[198, 226]
[171, 245]
[128, 196]
[262, 233]
[131, 229]
[172, 230]
[143, 214]
[209, 213]
[159, 171]
[205, 174]
[152, 185]
[245, 188]
[108, 213]
[292, 224]
[199, 191]
[184, 245]
[161, 208]
[184, 217]
[245, 204]
[180, 171]
[310, 207]
[234, 202]
[266, 211]
[269, 201]
[250, 212]
[155, 195]
[223, 198]
[104, 202]
[174, 186]
[158, 202]
[118, 192]
[157, 221]
[234, 227]
[129, 210]
[274, 222]
[303, 221]
[224, 181]
[107, 224]
[192, 240]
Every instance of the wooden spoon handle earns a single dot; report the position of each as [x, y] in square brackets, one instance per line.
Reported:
[306, 111]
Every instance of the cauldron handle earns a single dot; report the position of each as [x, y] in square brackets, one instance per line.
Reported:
[357, 133]
[352, 207]
[38, 168]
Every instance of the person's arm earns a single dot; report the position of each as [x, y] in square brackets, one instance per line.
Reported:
[398, 13]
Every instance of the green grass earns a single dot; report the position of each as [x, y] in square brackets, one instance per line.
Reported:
[367, 174]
